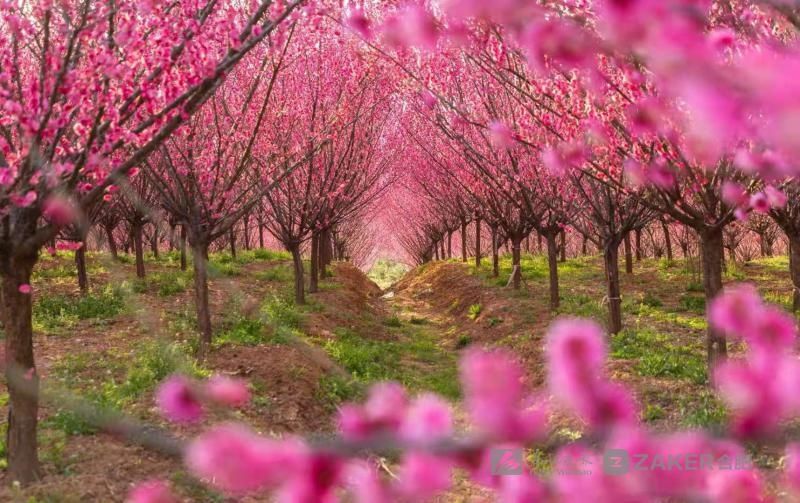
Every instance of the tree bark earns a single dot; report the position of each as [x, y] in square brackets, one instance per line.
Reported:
[516, 267]
[495, 254]
[611, 261]
[154, 242]
[138, 250]
[712, 254]
[463, 241]
[584, 245]
[260, 235]
[112, 245]
[313, 280]
[80, 265]
[563, 246]
[628, 254]
[183, 247]
[449, 244]
[325, 252]
[199, 257]
[299, 285]
[21, 442]
[232, 238]
[638, 236]
[552, 261]
[247, 232]
[477, 242]
[667, 239]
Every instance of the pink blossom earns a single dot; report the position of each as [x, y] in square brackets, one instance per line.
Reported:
[525, 488]
[359, 23]
[634, 173]
[235, 460]
[315, 479]
[365, 483]
[735, 309]
[383, 412]
[733, 194]
[493, 393]
[725, 486]
[661, 175]
[792, 468]
[553, 161]
[178, 401]
[25, 200]
[428, 99]
[759, 202]
[775, 197]
[423, 475]
[413, 26]
[501, 135]
[25, 288]
[59, 210]
[227, 391]
[427, 419]
[154, 491]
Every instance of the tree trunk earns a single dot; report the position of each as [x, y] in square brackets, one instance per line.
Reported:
[638, 236]
[794, 268]
[232, 238]
[112, 245]
[563, 249]
[172, 237]
[495, 254]
[477, 242]
[261, 235]
[584, 246]
[611, 261]
[449, 244]
[628, 254]
[442, 250]
[516, 255]
[183, 247]
[80, 265]
[313, 280]
[435, 251]
[247, 232]
[552, 261]
[138, 250]
[199, 257]
[463, 241]
[154, 242]
[23, 407]
[299, 286]
[667, 239]
[325, 252]
[712, 254]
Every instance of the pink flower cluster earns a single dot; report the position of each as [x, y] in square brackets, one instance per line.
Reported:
[502, 416]
[760, 390]
[576, 354]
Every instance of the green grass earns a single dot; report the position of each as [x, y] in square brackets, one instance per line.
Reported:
[693, 303]
[276, 273]
[414, 359]
[387, 272]
[164, 283]
[277, 322]
[55, 313]
[654, 355]
[704, 411]
[126, 377]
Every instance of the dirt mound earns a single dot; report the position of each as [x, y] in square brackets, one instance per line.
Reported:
[286, 379]
[445, 285]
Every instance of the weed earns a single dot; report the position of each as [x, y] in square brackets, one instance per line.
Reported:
[393, 321]
[463, 341]
[474, 311]
[693, 303]
[653, 412]
[56, 312]
[494, 321]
